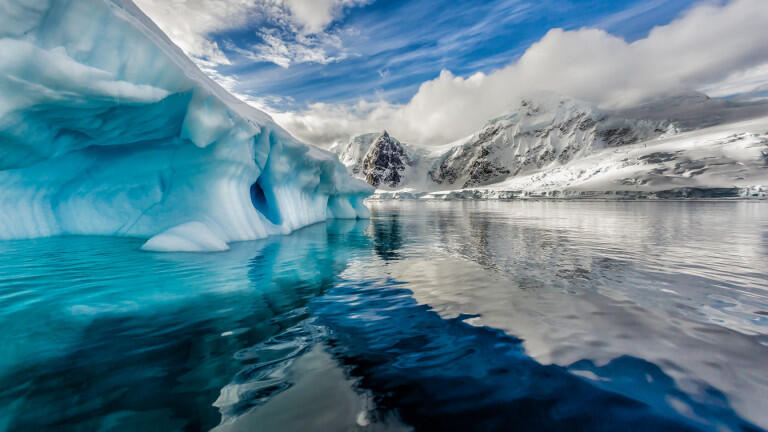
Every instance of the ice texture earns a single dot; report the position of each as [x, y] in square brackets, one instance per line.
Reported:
[107, 128]
[187, 237]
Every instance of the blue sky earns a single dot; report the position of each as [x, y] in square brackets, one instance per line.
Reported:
[433, 71]
[387, 48]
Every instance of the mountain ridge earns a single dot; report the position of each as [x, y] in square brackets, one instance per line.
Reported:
[551, 133]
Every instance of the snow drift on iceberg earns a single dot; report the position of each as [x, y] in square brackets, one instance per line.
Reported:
[107, 128]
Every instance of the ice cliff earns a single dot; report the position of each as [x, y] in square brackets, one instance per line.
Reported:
[107, 128]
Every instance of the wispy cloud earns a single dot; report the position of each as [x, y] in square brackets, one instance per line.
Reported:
[319, 48]
[629, 14]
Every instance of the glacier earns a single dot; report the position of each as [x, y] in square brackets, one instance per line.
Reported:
[108, 128]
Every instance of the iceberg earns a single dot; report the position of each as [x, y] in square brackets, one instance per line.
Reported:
[107, 128]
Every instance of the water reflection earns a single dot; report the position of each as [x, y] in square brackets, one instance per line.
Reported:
[676, 284]
[160, 361]
[443, 374]
[433, 316]
[388, 238]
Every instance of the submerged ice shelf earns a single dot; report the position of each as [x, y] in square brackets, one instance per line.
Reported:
[107, 128]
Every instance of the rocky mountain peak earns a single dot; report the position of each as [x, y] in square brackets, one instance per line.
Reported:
[385, 162]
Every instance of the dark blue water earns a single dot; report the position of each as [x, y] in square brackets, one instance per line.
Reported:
[430, 316]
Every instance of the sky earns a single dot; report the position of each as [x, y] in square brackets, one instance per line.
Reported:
[433, 71]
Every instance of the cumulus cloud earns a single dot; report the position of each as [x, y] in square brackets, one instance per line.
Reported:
[708, 44]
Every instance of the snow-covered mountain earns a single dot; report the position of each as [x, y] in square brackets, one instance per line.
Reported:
[379, 159]
[539, 134]
[107, 128]
[352, 154]
[384, 162]
[518, 154]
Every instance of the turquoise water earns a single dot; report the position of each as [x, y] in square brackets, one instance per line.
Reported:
[430, 316]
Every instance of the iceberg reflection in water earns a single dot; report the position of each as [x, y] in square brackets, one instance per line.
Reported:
[433, 316]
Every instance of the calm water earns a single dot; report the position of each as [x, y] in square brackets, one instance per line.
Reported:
[430, 316]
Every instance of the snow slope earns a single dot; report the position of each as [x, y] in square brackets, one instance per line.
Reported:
[107, 128]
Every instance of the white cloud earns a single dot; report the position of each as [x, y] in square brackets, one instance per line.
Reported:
[707, 45]
[754, 80]
[190, 22]
[315, 15]
[319, 48]
[323, 124]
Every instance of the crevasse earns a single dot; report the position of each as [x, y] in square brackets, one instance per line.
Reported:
[107, 128]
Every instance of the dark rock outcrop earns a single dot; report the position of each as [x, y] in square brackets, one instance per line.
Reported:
[385, 162]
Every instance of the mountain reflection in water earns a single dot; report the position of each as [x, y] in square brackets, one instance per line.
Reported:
[433, 316]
